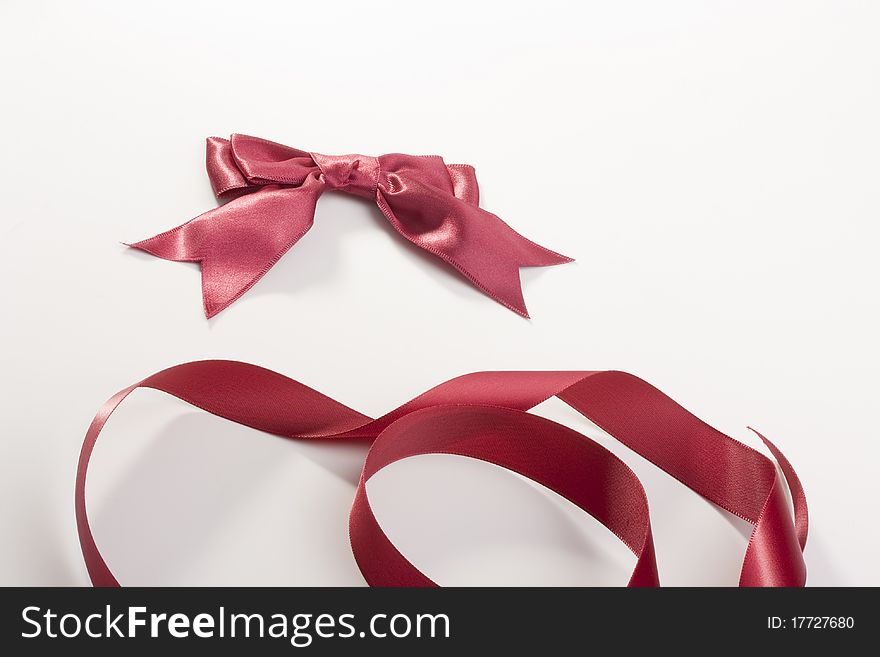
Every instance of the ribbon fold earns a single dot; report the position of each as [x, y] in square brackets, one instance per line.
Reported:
[274, 189]
[484, 416]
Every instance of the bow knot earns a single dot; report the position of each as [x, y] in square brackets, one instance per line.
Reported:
[355, 174]
[432, 204]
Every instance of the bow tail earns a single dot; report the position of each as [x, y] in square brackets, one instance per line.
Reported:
[510, 252]
[483, 248]
[237, 243]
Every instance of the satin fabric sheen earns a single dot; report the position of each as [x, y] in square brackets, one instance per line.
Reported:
[274, 190]
[484, 416]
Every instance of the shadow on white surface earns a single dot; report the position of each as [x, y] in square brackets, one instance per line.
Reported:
[464, 522]
[742, 527]
[38, 539]
[211, 502]
[823, 566]
[340, 221]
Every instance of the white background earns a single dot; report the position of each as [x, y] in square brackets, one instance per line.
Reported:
[713, 166]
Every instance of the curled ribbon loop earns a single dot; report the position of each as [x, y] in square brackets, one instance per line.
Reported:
[484, 416]
[432, 204]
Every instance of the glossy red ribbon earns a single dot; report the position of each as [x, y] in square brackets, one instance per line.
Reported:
[483, 416]
[432, 204]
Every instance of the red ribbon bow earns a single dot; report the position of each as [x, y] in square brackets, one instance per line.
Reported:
[432, 204]
[483, 416]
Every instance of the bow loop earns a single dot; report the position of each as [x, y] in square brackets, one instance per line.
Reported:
[265, 162]
[432, 204]
[223, 172]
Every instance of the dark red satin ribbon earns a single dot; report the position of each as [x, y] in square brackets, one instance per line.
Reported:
[432, 204]
[483, 416]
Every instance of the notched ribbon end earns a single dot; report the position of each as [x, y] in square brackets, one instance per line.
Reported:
[546, 258]
[159, 248]
[522, 312]
[533, 255]
[563, 259]
[211, 311]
